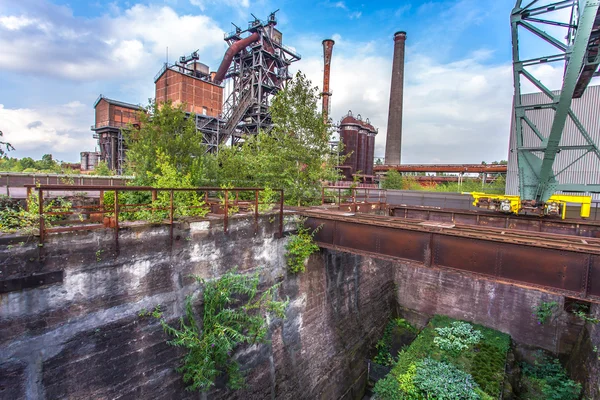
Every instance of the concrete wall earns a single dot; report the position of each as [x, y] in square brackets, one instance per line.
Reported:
[82, 338]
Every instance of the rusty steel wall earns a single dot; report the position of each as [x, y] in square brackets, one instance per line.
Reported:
[575, 273]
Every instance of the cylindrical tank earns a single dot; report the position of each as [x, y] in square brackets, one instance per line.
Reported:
[84, 160]
[358, 137]
[93, 158]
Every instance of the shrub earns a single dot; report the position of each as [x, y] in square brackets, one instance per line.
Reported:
[443, 381]
[548, 376]
[299, 247]
[457, 337]
[544, 311]
[227, 322]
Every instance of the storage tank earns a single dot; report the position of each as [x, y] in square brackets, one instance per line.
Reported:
[358, 137]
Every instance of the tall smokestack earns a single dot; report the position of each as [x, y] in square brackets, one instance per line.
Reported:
[393, 144]
[327, 50]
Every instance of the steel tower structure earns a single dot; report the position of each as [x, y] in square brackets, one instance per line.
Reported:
[259, 69]
[579, 50]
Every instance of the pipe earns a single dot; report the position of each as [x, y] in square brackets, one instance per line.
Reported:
[327, 50]
[232, 51]
[393, 143]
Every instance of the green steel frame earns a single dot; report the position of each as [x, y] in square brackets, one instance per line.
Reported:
[579, 52]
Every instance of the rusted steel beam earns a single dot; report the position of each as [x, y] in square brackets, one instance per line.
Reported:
[475, 168]
[588, 229]
[566, 268]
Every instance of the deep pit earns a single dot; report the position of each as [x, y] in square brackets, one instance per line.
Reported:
[82, 335]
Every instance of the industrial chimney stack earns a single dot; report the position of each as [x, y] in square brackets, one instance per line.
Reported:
[393, 144]
[327, 50]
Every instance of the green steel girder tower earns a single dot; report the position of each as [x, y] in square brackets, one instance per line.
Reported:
[579, 50]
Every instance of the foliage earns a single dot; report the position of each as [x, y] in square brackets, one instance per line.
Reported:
[4, 146]
[165, 130]
[547, 379]
[543, 311]
[583, 311]
[235, 313]
[185, 203]
[16, 218]
[485, 361]
[388, 388]
[457, 337]
[27, 164]
[102, 169]
[443, 381]
[393, 180]
[299, 247]
[294, 155]
[383, 346]
[266, 199]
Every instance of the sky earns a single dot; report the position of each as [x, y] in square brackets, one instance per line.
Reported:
[58, 56]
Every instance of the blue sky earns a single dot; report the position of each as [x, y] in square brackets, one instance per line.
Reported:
[58, 56]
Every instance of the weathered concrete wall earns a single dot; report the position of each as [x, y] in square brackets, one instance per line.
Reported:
[584, 363]
[83, 338]
[423, 292]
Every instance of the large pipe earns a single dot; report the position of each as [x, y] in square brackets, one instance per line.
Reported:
[232, 51]
[393, 144]
[327, 50]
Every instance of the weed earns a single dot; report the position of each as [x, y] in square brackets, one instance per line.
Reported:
[544, 311]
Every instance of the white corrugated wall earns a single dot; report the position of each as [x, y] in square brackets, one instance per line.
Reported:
[586, 170]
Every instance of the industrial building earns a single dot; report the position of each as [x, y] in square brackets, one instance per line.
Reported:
[577, 166]
[111, 117]
[358, 138]
[256, 63]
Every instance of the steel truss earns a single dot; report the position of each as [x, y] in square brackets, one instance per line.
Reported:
[258, 72]
[537, 178]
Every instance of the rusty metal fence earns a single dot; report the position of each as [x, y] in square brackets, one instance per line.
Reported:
[353, 196]
[100, 216]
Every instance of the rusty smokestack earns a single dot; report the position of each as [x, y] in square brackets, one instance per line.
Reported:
[393, 143]
[327, 50]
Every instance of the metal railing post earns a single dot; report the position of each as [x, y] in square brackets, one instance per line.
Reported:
[41, 212]
[116, 218]
[226, 217]
[281, 214]
[171, 216]
[255, 212]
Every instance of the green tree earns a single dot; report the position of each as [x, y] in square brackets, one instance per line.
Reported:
[393, 180]
[295, 155]
[5, 147]
[165, 129]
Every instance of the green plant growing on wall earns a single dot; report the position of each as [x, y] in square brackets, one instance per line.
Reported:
[546, 379]
[543, 311]
[299, 247]
[457, 337]
[235, 313]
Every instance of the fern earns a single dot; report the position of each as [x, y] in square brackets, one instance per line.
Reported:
[234, 314]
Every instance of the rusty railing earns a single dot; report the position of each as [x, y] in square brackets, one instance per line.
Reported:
[352, 196]
[99, 216]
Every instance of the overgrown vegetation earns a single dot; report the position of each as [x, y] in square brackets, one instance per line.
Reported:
[384, 345]
[13, 217]
[235, 313]
[299, 247]
[395, 180]
[47, 164]
[481, 363]
[546, 379]
[544, 311]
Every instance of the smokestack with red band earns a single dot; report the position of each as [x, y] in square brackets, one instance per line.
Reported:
[393, 144]
[327, 50]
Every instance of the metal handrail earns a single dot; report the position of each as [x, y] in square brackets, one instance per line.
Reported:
[118, 208]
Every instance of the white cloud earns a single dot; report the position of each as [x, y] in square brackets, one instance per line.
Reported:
[231, 3]
[131, 43]
[62, 130]
[453, 112]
